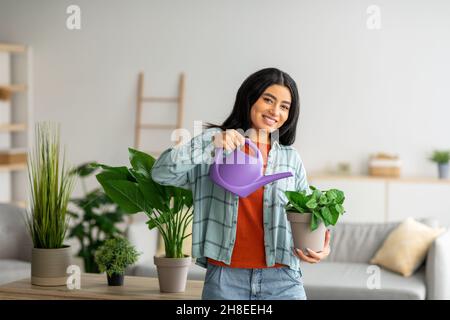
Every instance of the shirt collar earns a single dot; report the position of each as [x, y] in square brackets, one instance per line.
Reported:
[275, 144]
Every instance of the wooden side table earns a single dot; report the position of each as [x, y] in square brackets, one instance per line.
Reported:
[95, 287]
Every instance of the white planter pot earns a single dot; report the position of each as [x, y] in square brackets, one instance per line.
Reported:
[172, 273]
[49, 266]
[301, 232]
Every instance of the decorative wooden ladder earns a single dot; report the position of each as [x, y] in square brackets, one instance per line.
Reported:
[141, 99]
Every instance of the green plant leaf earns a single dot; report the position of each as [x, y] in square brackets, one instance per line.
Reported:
[311, 204]
[141, 162]
[298, 198]
[114, 173]
[316, 195]
[85, 169]
[126, 194]
[334, 215]
[161, 219]
[331, 195]
[323, 199]
[77, 231]
[339, 195]
[326, 214]
[151, 192]
[314, 222]
[339, 208]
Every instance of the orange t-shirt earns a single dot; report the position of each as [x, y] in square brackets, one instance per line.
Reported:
[249, 251]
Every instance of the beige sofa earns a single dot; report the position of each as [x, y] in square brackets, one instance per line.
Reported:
[344, 274]
[15, 244]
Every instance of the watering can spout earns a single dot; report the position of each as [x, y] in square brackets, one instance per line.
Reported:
[271, 178]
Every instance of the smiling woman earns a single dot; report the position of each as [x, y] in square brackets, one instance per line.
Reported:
[245, 242]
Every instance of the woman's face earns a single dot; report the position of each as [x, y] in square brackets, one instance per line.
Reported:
[271, 110]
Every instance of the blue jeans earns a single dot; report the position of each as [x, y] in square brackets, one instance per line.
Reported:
[225, 283]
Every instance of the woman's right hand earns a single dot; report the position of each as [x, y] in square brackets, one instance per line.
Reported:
[229, 139]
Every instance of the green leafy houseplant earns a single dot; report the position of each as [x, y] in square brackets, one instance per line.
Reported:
[440, 156]
[115, 255]
[168, 208]
[51, 185]
[325, 206]
[97, 218]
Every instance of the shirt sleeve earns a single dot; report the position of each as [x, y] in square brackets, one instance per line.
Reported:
[175, 165]
[301, 179]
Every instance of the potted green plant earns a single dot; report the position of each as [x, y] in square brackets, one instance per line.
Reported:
[97, 219]
[310, 215]
[51, 185]
[441, 157]
[113, 257]
[168, 208]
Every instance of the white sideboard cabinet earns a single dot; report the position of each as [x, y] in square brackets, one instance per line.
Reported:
[378, 199]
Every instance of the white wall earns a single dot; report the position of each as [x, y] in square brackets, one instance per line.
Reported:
[362, 91]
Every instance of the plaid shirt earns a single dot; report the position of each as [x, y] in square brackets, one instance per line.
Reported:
[215, 209]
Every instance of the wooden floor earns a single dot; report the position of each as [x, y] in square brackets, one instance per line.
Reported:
[94, 286]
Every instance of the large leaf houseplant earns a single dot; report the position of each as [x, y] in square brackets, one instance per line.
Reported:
[310, 213]
[51, 184]
[168, 208]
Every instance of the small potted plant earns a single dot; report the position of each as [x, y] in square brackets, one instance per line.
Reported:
[113, 257]
[51, 184]
[441, 157]
[310, 215]
[168, 208]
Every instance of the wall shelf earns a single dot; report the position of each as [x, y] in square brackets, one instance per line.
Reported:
[12, 48]
[13, 167]
[14, 87]
[16, 75]
[406, 179]
[13, 127]
[384, 199]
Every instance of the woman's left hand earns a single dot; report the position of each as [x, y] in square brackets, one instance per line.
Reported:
[313, 256]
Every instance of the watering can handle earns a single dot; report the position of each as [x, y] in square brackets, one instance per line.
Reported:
[254, 147]
[219, 151]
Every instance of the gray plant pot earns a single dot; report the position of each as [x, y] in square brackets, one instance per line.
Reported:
[301, 232]
[172, 273]
[443, 170]
[49, 266]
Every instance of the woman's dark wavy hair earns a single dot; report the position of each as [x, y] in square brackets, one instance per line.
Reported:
[250, 91]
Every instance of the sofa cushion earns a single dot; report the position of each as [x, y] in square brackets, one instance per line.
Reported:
[13, 270]
[405, 248]
[15, 241]
[348, 281]
[358, 242]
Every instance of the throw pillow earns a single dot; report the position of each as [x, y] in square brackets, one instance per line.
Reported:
[406, 247]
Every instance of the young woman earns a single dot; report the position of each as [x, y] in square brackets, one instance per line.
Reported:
[246, 243]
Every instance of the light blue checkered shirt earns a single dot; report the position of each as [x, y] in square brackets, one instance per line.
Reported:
[215, 209]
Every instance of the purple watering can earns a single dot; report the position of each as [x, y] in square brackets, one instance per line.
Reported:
[239, 173]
